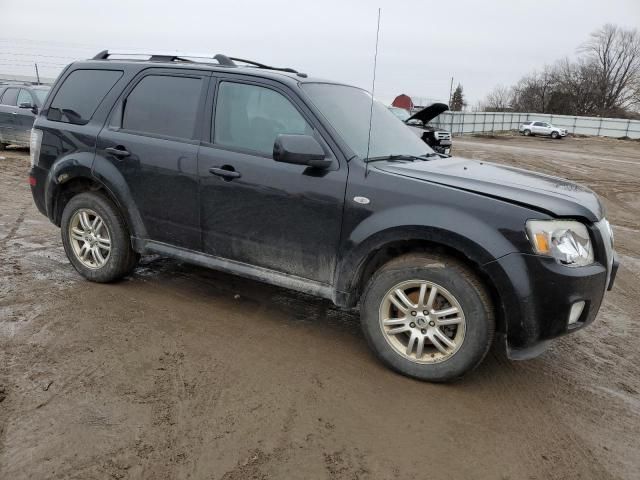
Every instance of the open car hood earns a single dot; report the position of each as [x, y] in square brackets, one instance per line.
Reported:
[429, 113]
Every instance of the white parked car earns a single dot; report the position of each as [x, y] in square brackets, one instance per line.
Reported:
[542, 128]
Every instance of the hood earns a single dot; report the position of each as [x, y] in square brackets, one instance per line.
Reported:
[429, 113]
[553, 195]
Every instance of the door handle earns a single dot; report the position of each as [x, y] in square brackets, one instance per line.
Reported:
[226, 172]
[118, 151]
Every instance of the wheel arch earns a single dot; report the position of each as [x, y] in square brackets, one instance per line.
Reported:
[69, 178]
[356, 269]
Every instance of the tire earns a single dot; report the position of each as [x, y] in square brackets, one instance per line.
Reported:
[527, 132]
[555, 135]
[118, 260]
[457, 287]
[3, 146]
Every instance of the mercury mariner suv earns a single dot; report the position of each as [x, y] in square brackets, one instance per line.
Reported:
[269, 174]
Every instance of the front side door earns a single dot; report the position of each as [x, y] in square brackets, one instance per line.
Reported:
[268, 214]
[151, 139]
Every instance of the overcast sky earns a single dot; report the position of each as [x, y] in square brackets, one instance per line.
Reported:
[422, 43]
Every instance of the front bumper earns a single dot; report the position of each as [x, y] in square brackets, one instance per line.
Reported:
[536, 294]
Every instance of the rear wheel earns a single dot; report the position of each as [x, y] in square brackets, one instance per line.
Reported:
[527, 132]
[427, 316]
[96, 239]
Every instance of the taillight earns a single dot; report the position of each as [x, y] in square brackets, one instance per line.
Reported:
[32, 181]
[34, 145]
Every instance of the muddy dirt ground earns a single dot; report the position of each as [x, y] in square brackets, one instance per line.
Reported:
[179, 372]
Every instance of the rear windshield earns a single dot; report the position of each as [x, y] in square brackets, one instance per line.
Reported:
[80, 94]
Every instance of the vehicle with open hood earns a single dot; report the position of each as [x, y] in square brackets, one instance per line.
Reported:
[437, 138]
[267, 173]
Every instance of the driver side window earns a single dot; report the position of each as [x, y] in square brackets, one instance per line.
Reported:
[250, 117]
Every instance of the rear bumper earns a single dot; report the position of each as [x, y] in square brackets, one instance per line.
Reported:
[536, 295]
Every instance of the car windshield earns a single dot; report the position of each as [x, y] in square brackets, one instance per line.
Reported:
[401, 113]
[41, 94]
[348, 110]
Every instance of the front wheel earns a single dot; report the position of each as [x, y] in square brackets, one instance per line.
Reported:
[428, 317]
[96, 239]
[555, 135]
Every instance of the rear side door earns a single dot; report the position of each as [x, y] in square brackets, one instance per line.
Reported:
[538, 127]
[8, 111]
[279, 216]
[150, 138]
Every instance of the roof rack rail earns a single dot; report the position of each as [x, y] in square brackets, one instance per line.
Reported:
[261, 65]
[187, 57]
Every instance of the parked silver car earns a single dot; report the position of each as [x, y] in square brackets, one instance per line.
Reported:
[542, 128]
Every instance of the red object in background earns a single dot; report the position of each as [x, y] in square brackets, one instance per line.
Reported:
[32, 181]
[403, 101]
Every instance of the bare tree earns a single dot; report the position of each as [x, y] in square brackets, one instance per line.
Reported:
[533, 92]
[498, 100]
[616, 54]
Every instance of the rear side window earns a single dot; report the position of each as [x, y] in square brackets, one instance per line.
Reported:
[163, 105]
[80, 95]
[10, 97]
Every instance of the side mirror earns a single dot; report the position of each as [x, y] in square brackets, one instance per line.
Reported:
[300, 150]
[25, 105]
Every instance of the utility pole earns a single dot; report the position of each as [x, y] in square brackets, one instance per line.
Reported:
[37, 74]
[450, 90]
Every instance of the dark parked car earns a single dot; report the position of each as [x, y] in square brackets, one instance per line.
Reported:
[437, 138]
[19, 106]
[269, 174]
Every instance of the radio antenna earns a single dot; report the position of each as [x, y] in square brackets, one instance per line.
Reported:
[373, 91]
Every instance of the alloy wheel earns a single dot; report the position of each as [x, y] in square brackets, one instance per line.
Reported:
[89, 238]
[422, 321]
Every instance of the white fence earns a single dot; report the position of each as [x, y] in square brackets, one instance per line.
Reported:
[460, 123]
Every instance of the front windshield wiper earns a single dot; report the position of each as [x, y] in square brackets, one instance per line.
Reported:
[401, 157]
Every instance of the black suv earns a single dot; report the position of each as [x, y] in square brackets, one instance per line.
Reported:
[268, 174]
[19, 104]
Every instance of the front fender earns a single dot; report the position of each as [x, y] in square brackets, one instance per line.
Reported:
[481, 242]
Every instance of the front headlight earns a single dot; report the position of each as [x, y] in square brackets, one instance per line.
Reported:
[565, 240]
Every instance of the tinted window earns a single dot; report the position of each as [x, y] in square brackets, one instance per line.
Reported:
[538, 124]
[24, 97]
[163, 105]
[251, 117]
[80, 95]
[10, 97]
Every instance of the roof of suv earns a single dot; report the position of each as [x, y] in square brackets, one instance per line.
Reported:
[184, 61]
